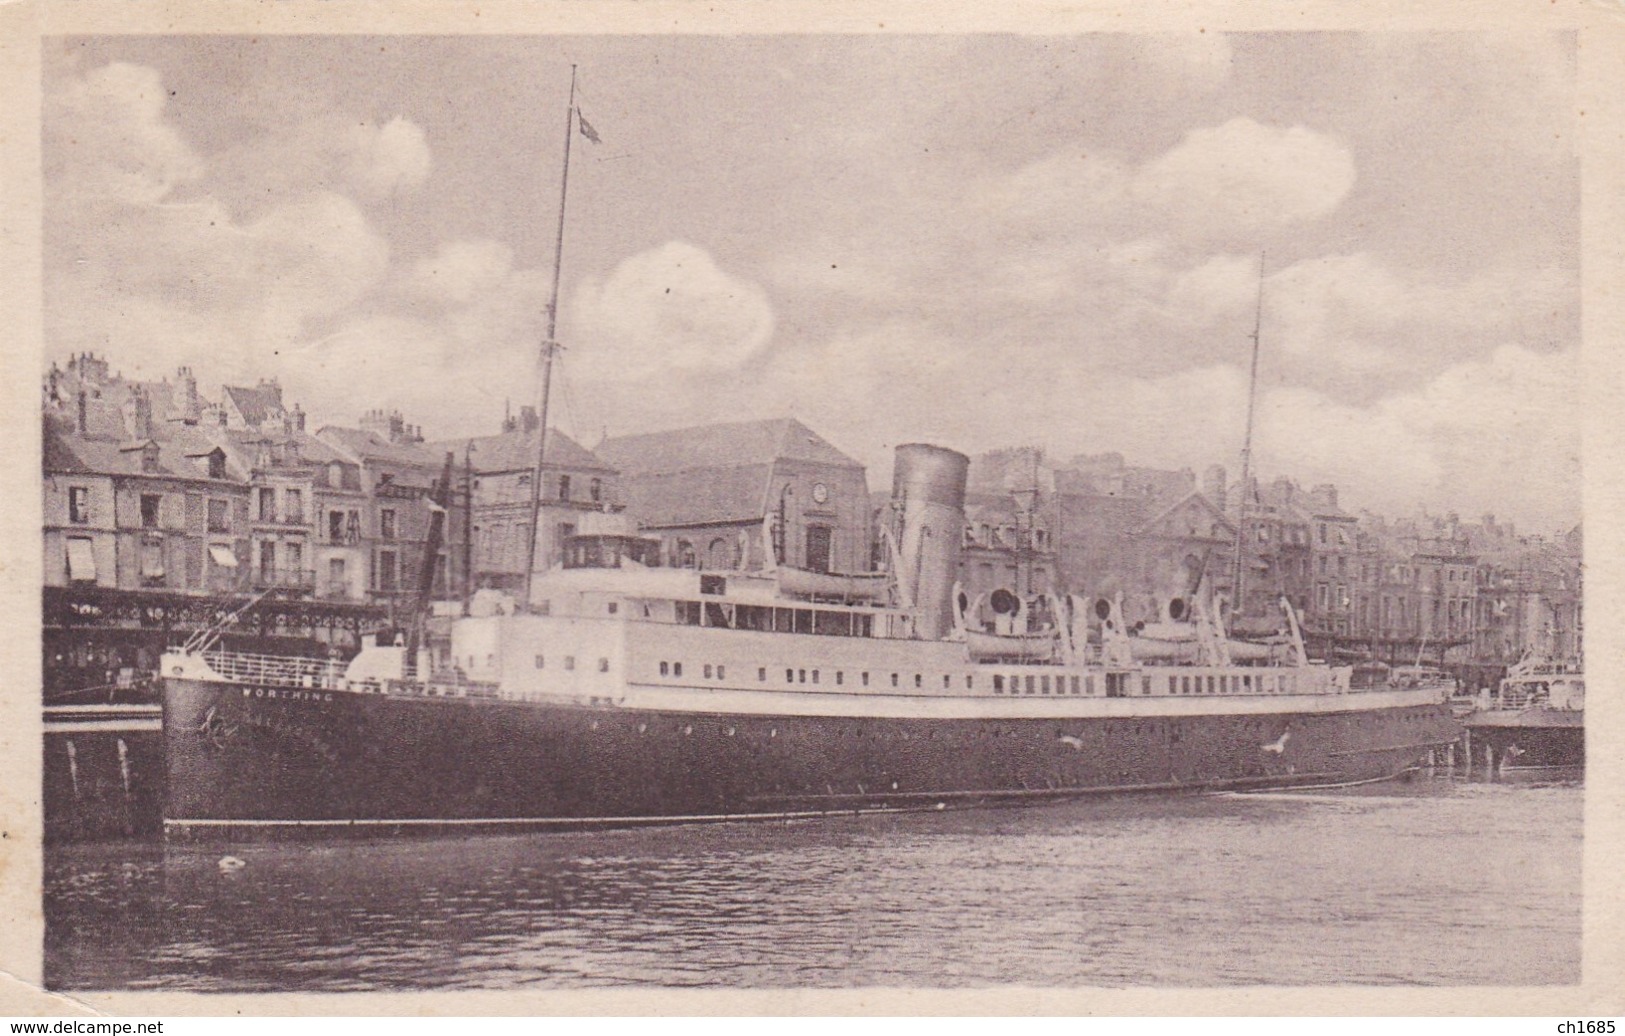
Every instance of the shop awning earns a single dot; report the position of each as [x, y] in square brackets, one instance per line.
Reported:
[222, 556]
[81, 560]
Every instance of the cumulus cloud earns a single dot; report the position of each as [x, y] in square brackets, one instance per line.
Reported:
[1243, 176]
[671, 308]
[1360, 312]
[384, 159]
[1453, 438]
[106, 138]
[461, 269]
[144, 262]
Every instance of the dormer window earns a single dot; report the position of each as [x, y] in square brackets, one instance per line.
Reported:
[149, 457]
[217, 465]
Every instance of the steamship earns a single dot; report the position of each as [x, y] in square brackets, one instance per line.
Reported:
[1536, 717]
[618, 691]
[623, 692]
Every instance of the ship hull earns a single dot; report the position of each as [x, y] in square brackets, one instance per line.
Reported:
[248, 761]
[1533, 738]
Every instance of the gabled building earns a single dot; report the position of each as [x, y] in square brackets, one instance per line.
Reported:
[396, 474]
[746, 494]
[499, 470]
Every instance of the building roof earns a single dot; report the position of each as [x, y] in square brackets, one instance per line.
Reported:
[1159, 516]
[698, 496]
[182, 455]
[516, 451]
[243, 444]
[742, 443]
[258, 404]
[363, 445]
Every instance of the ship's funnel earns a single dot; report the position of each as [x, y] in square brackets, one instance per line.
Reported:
[928, 493]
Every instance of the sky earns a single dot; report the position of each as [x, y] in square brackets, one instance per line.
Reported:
[973, 240]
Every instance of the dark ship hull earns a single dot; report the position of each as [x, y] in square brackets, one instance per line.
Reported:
[246, 761]
[103, 773]
[1532, 738]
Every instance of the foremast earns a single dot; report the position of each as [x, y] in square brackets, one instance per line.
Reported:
[549, 349]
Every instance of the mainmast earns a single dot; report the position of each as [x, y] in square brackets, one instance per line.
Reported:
[549, 348]
[1237, 584]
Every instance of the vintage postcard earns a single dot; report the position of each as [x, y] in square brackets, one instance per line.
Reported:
[638, 508]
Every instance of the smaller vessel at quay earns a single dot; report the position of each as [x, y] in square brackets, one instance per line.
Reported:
[1536, 717]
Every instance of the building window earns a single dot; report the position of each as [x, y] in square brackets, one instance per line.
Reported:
[150, 504]
[81, 560]
[665, 669]
[818, 548]
[294, 553]
[387, 573]
[569, 662]
[217, 465]
[761, 675]
[386, 524]
[352, 527]
[152, 560]
[79, 505]
[219, 515]
[335, 574]
[294, 504]
[603, 667]
[564, 487]
[268, 560]
[267, 504]
[595, 490]
[335, 526]
[677, 669]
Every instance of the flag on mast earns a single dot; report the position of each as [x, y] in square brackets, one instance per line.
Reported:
[586, 128]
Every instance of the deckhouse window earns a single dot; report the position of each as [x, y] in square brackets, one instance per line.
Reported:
[998, 684]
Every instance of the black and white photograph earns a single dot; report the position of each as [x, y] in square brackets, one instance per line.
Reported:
[889, 507]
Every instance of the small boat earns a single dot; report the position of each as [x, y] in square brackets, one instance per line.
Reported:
[1535, 718]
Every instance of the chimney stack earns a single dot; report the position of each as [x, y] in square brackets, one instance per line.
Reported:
[84, 416]
[191, 410]
[528, 421]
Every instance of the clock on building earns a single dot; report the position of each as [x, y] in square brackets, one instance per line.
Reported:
[820, 492]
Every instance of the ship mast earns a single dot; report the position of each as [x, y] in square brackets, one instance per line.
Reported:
[550, 348]
[1236, 584]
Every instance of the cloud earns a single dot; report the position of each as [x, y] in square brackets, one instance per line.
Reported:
[670, 308]
[1450, 443]
[1243, 176]
[461, 269]
[388, 158]
[333, 152]
[143, 262]
[1360, 312]
[106, 138]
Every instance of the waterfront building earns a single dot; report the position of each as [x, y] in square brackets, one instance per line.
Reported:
[498, 469]
[396, 474]
[746, 495]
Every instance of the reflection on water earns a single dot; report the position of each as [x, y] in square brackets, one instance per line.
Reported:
[1432, 882]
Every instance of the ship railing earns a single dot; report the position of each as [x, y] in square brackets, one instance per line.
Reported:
[277, 670]
[441, 685]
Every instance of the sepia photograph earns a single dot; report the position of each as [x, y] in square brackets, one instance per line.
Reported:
[825, 510]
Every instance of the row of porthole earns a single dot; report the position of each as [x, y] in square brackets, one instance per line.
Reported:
[570, 663]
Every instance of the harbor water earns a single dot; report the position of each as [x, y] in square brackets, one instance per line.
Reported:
[1431, 881]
